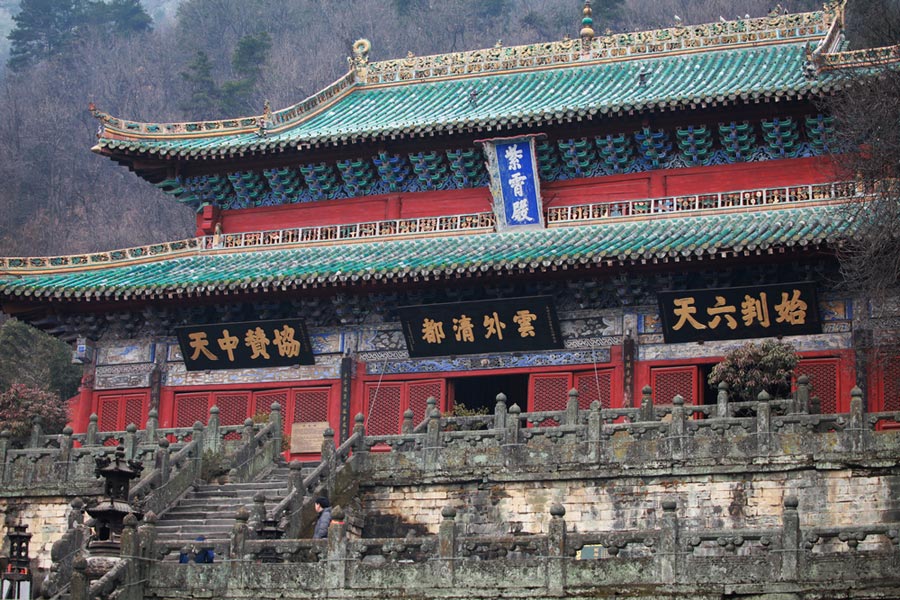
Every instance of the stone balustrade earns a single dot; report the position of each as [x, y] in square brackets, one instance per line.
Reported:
[53, 464]
[668, 558]
[627, 438]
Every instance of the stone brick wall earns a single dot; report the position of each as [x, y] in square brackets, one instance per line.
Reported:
[832, 498]
[46, 520]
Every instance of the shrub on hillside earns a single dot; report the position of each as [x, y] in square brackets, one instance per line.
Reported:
[19, 404]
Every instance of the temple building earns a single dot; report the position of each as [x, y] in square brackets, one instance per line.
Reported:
[601, 213]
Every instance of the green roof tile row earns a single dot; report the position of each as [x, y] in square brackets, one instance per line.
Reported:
[523, 97]
[441, 257]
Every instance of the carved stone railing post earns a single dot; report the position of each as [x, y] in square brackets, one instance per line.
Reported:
[359, 430]
[647, 404]
[130, 552]
[336, 566]
[90, 436]
[594, 431]
[407, 427]
[146, 539]
[329, 458]
[668, 543]
[4, 449]
[257, 511]
[275, 419]
[152, 426]
[239, 533]
[763, 423]
[130, 441]
[65, 454]
[211, 439]
[447, 548]
[162, 460]
[571, 417]
[500, 412]
[432, 439]
[677, 428]
[512, 437]
[722, 400]
[37, 432]
[248, 433]
[556, 550]
[855, 427]
[197, 457]
[78, 589]
[295, 477]
[790, 539]
[801, 403]
[430, 406]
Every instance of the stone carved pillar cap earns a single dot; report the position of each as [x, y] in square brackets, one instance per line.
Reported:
[557, 510]
[295, 465]
[242, 514]
[791, 502]
[668, 505]
[448, 512]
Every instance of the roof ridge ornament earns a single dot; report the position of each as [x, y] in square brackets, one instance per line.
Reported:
[359, 62]
[265, 120]
[587, 27]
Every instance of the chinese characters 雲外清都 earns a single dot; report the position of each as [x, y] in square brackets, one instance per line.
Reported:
[493, 326]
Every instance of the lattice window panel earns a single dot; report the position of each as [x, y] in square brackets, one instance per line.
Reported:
[674, 381]
[108, 416]
[108, 413]
[823, 380]
[234, 408]
[134, 411]
[891, 375]
[594, 387]
[550, 392]
[419, 392]
[190, 408]
[263, 401]
[311, 406]
[383, 412]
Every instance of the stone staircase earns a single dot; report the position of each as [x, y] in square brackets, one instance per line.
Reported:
[209, 510]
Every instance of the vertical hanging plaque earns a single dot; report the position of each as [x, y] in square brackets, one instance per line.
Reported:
[515, 187]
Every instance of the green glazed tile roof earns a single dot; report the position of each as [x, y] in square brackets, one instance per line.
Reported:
[521, 98]
[601, 245]
[502, 88]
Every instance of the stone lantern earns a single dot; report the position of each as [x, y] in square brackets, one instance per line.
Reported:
[109, 512]
[16, 579]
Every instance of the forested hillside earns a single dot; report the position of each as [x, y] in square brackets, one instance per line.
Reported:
[212, 59]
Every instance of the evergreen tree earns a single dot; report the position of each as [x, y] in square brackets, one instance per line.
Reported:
[247, 62]
[34, 359]
[48, 28]
[122, 16]
[204, 94]
[44, 28]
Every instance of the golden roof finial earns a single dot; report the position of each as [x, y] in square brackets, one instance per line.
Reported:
[587, 24]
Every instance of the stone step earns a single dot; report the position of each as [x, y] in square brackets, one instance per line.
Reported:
[224, 522]
[201, 513]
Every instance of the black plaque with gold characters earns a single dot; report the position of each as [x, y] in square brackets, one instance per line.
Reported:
[488, 326]
[247, 345]
[772, 310]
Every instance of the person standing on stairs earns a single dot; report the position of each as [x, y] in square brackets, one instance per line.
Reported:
[323, 507]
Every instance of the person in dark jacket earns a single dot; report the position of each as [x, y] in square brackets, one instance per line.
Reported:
[323, 507]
